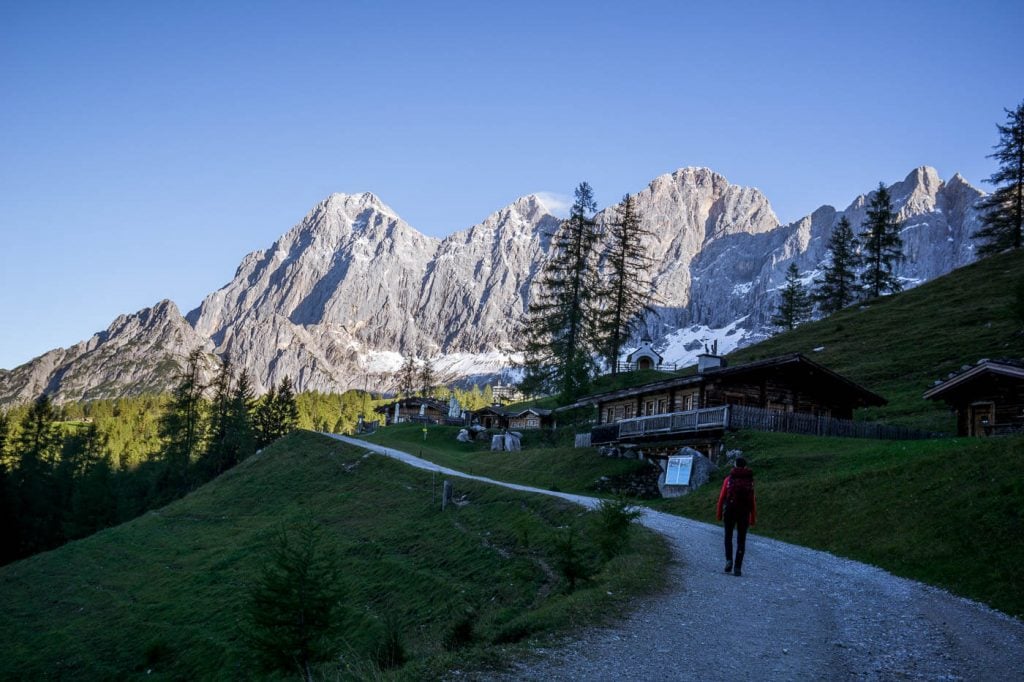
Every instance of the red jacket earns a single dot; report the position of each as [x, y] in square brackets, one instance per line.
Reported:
[721, 495]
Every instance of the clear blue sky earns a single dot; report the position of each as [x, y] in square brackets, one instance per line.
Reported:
[146, 147]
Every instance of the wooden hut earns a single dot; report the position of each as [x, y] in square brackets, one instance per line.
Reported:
[988, 398]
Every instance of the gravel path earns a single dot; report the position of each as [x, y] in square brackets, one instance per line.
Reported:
[796, 614]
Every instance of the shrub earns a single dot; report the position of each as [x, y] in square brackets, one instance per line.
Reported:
[614, 519]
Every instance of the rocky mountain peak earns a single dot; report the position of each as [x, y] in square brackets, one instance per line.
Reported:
[339, 297]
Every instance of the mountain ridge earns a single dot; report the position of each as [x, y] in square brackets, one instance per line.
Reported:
[342, 296]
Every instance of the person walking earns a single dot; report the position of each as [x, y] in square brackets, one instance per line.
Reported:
[738, 507]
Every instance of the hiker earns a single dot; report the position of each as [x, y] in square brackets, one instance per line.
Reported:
[737, 505]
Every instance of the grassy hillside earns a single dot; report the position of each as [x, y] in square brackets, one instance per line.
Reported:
[561, 467]
[898, 345]
[165, 596]
[949, 512]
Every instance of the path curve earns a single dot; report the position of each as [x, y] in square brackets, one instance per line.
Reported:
[796, 614]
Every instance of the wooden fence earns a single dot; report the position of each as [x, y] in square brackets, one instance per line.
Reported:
[759, 419]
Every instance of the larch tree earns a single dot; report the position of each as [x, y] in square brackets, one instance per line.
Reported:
[882, 246]
[795, 306]
[626, 292]
[837, 287]
[1003, 210]
[558, 338]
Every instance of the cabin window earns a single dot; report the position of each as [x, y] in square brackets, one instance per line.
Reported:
[662, 405]
[620, 412]
[629, 411]
[679, 469]
[609, 413]
[532, 422]
[648, 408]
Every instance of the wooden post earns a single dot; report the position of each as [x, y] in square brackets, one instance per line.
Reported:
[446, 495]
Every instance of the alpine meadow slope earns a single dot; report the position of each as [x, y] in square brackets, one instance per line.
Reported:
[341, 298]
[166, 596]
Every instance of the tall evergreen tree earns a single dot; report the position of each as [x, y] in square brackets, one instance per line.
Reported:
[231, 423]
[408, 377]
[241, 437]
[559, 339]
[1003, 217]
[626, 293]
[182, 426]
[264, 422]
[5, 431]
[837, 287]
[882, 246]
[36, 502]
[795, 306]
[215, 457]
[286, 410]
[427, 378]
[90, 503]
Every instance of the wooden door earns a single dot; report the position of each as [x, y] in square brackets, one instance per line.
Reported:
[982, 418]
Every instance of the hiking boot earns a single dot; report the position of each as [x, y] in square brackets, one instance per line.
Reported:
[737, 572]
[728, 566]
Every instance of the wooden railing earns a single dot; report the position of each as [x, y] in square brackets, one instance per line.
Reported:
[675, 422]
[742, 417]
[633, 366]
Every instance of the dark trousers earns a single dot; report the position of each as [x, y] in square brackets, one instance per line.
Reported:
[740, 520]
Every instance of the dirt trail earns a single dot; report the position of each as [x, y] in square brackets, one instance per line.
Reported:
[796, 614]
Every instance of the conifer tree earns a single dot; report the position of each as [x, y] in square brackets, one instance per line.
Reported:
[293, 604]
[241, 435]
[286, 410]
[1003, 210]
[427, 378]
[36, 504]
[558, 338]
[183, 426]
[264, 420]
[231, 423]
[795, 306]
[882, 246]
[837, 287]
[408, 377]
[626, 292]
[5, 430]
[215, 455]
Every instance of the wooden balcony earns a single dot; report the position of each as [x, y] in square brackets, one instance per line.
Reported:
[690, 421]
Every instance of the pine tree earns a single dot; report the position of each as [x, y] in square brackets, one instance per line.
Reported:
[286, 410]
[215, 458]
[264, 423]
[1003, 210]
[232, 436]
[627, 290]
[293, 604]
[838, 286]
[36, 505]
[882, 244]
[408, 377]
[240, 440]
[559, 339]
[795, 306]
[182, 427]
[427, 378]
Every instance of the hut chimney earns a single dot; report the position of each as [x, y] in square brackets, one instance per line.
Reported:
[706, 361]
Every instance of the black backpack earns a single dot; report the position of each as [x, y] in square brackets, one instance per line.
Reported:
[739, 492]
